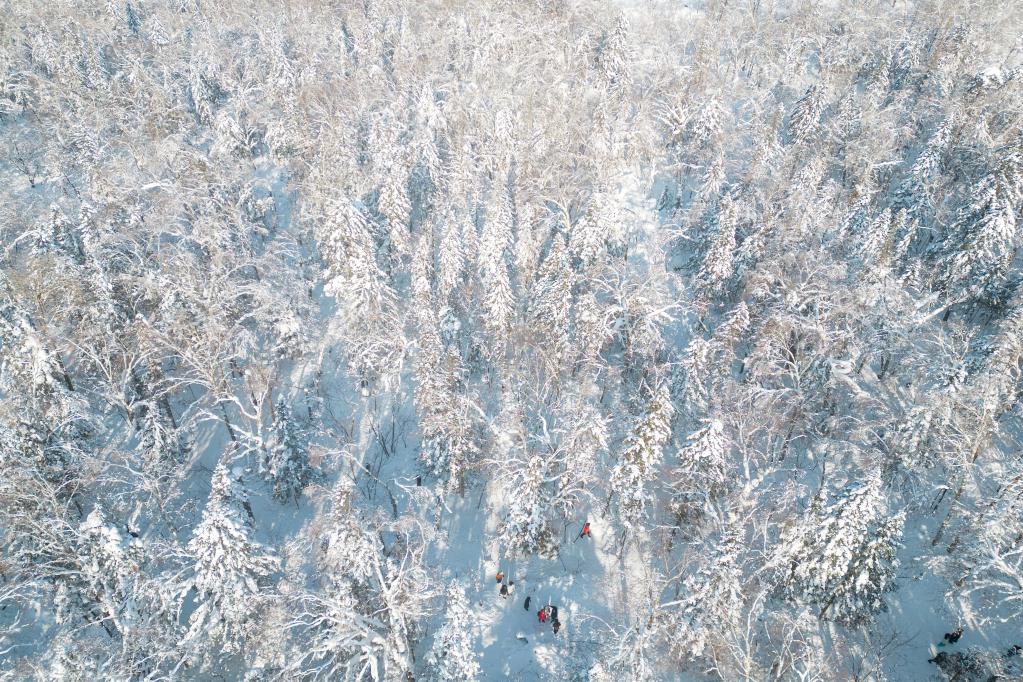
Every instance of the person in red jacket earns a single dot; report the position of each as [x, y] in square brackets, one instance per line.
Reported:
[586, 530]
[542, 615]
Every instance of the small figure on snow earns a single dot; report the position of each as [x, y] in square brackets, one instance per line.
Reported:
[542, 615]
[552, 613]
[557, 625]
[953, 637]
[586, 530]
[527, 603]
[504, 590]
[500, 576]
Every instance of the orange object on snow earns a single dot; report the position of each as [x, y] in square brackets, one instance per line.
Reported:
[500, 576]
[586, 530]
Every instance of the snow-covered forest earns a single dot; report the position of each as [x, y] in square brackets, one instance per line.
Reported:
[339, 339]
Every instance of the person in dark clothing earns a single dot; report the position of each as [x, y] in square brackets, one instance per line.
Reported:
[557, 625]
[527, 603]
[953, 637]
[504, 590]
[553, 612]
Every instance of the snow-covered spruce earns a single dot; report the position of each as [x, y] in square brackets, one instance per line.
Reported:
[641, 453]
[453, 655]
[286, 465]
[841, 554]
[231, 568]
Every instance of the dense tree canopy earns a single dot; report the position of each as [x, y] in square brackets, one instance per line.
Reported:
[315, 316]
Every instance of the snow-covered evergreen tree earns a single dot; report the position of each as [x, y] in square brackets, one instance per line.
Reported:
[343, 553]
[633, 651]
[593, 229]
[717, 265]
[287, 466]
[805, 117]
[710, 599]
[732, 331]
[355, 278]
[110, 575]
[365, 624]
[394, 204]
[29, 365]
[592, 327]
[452, 258]
[446, 426]
[641, 455]
[841, 555]
[528, 527]
[551, 300]
[612, 59]
[231, 569]
[697, 368]
[49, 418]
[879, 237]
[496, 239]
[452, 656]
[702, 473]
[983, 241]
[702, 129]
[993, 560]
